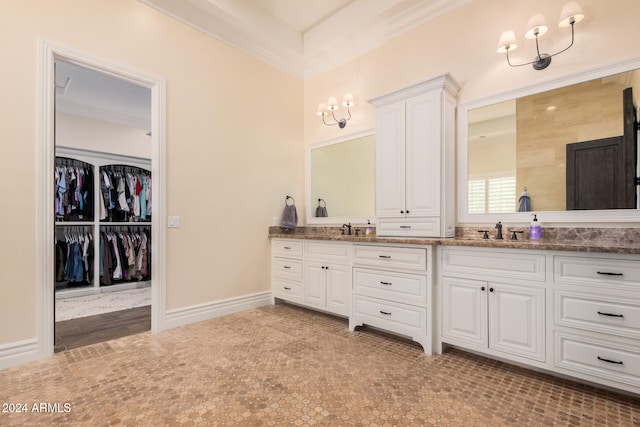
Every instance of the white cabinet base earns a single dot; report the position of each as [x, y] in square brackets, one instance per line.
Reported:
[394, 317]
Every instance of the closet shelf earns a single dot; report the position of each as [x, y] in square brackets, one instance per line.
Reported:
[124, 223]
[68, 223]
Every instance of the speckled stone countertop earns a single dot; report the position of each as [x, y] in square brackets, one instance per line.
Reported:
[607, 240]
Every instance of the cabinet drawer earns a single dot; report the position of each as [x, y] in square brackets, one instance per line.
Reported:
[401, 287]
[599, 313]
[286, 248]
[287, 289]
[414, 228]
[340, 252]
[395, 317]
[594, 357]
[287, 268]
[596, 271]
[390, 257]
[494, 263]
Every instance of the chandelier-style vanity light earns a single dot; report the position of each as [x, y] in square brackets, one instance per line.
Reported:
[536, 28]
[331, 106]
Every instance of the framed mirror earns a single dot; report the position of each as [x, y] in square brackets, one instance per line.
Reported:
[341, 177]
[565, 149]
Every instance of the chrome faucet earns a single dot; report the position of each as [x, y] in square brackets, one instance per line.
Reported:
[348, 228]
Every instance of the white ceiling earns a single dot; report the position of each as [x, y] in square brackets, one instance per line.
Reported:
[300, 15]
[89, 93]
[304, 37]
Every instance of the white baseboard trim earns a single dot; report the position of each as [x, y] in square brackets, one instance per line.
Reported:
[16, 353]
[198, 313]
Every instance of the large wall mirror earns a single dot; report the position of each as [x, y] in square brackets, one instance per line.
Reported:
[566, 150]
[341, 177]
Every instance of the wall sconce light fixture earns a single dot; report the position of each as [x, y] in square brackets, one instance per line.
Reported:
[331, 106]
[536, 28]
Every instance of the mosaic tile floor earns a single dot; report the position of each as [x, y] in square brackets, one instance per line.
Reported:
[284, 365]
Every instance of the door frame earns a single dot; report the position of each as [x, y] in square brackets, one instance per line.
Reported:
[45, 158]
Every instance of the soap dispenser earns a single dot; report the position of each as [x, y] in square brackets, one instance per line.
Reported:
[369, 230]
[535, 230]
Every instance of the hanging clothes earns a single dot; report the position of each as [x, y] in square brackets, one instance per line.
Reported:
[123, 190]
[74, 256]
[124, 257]
[74, 200]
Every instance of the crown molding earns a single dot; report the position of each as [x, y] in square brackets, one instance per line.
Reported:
[105, 115]
[356, 29]
[242, 27]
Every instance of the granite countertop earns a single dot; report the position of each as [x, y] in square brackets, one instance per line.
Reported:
[578, 242]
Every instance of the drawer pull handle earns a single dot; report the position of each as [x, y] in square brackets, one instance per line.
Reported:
[610, 314]
[405, 226]
[286, 288]
[386, 283]
[616, 362]
[387, 313]
[286, 266]
[607, 273]
[385, 256]
[287, 247]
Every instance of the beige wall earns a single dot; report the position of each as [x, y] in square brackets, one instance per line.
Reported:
[98, 135]
[230, 158]
[463, 43]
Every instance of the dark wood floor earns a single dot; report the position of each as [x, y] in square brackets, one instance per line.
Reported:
[102, 327]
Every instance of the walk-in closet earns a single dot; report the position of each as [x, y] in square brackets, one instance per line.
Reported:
[103, 209]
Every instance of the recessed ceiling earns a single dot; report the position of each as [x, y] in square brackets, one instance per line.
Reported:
[299, 14]
[305, 37]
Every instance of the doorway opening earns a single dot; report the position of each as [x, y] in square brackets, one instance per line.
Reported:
[71, 135]
[102, 207]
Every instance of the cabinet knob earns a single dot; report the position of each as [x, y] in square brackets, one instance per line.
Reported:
[407, 211]
[490, 289]
[482, 289]
[401, 212]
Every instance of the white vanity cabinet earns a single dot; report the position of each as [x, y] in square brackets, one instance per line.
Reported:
[392, 291]
[415, 143]
[327, 276]
[286, 269]
[596, 318]
[493, 301]
[315, 274]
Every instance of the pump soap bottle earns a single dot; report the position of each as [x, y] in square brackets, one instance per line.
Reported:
[535, 230]
[369, 230]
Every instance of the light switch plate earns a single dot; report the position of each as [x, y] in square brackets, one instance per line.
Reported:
[174, 222]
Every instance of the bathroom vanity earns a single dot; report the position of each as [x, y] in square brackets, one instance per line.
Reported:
[568, 308]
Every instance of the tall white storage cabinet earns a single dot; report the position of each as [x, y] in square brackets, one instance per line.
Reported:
[415, 179]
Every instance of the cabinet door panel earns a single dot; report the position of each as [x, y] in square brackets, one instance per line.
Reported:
[314, 284]
[338, 289]
[423, 155]
[464, 310]
[390, 157]
[516, 320]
